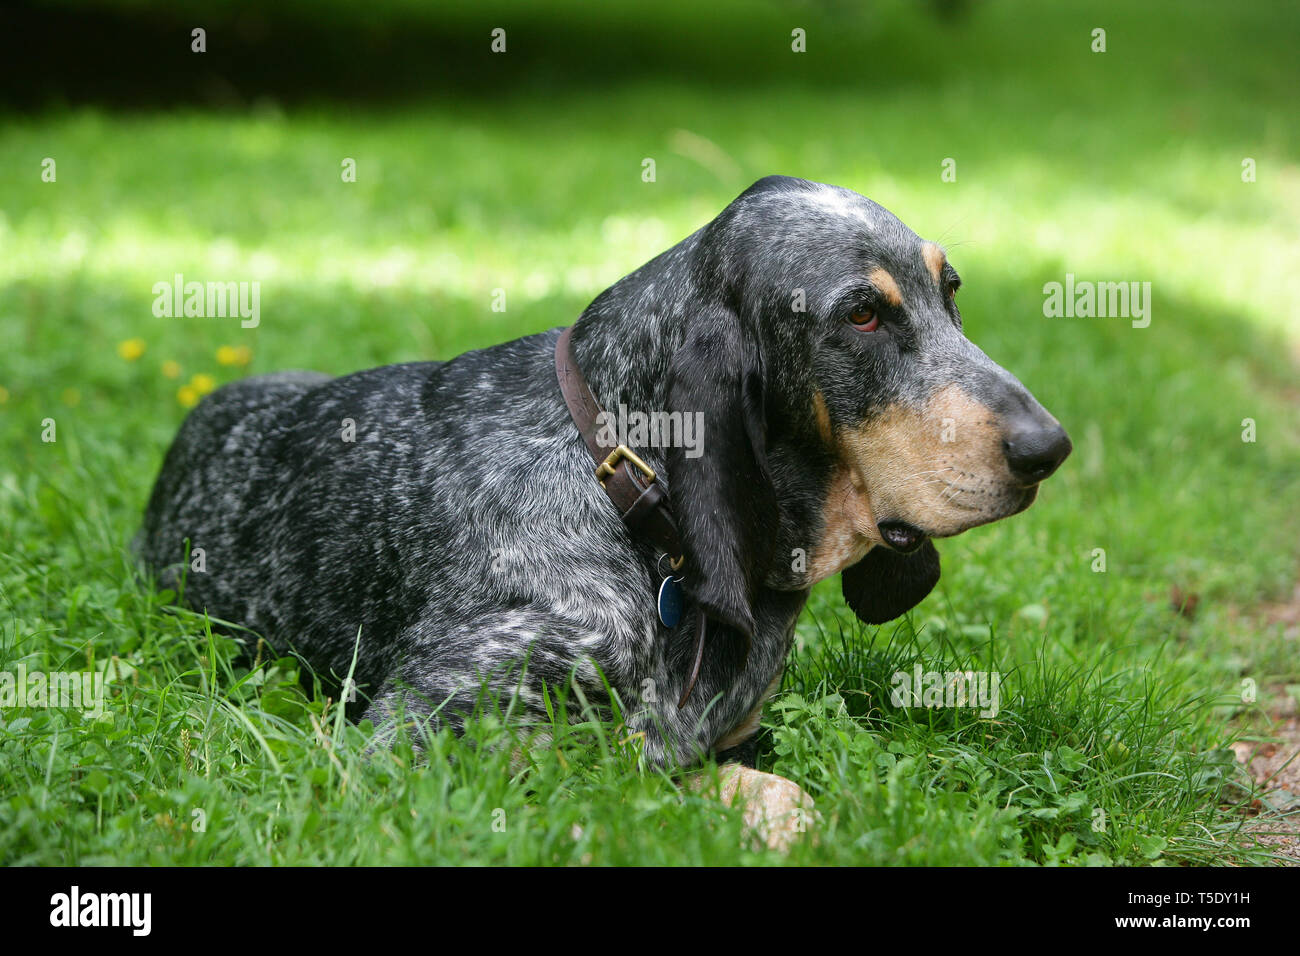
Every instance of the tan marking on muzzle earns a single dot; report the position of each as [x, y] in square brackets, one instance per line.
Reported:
[848, 527]
[939, 467]
[934, 259]
[883, 281]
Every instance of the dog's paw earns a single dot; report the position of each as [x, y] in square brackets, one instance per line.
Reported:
[777, 812]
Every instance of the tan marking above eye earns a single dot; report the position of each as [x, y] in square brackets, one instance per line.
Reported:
[886, 285]
[934, 259]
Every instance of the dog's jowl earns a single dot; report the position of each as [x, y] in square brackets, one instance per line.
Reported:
[477, 527]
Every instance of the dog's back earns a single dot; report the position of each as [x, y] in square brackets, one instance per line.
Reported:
[387, 503]
[267, 503]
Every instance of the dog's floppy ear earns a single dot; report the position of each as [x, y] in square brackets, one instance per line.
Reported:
[721, 492]
[885, 584]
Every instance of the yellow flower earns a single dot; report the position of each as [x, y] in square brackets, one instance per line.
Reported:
[203, 383]
[187, 396]
[71, 397]
[234, 355]
[4, 394]
[171, 368]
[131, 349]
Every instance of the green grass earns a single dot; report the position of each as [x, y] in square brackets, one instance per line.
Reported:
[1110, 745]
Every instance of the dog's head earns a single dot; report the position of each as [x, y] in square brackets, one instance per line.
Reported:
[847, 419]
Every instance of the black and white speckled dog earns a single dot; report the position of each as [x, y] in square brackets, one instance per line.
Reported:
[846, 422]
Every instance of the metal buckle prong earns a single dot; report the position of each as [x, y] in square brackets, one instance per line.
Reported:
[606, 467]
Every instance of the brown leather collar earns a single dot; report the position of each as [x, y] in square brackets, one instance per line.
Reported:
[631, 484]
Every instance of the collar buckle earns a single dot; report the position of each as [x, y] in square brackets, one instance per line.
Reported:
[606, 468]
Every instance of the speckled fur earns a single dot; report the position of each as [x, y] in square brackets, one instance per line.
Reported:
[462, 532]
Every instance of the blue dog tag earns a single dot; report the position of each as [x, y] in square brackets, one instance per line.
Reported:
[670, 602]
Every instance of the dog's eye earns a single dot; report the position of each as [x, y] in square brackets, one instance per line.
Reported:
[866, 321]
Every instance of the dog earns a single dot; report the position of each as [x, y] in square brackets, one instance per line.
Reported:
[487, 523]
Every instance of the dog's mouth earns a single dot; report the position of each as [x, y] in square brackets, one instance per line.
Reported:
[901, 536]
[905, 537]
[1029, 495]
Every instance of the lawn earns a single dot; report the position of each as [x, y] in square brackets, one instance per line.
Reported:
[1123, 611]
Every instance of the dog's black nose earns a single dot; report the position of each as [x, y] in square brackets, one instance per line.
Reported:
[1034, 451]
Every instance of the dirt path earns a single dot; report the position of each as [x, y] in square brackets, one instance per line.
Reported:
[1274, 762]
